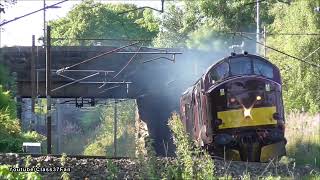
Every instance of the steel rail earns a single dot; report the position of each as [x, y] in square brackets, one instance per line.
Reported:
[70, 156]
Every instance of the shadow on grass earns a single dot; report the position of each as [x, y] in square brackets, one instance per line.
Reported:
[305, 153]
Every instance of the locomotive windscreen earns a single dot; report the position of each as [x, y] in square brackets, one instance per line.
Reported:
[243, 65]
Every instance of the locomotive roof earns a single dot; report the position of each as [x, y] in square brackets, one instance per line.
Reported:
[231, 57]
[189, 90]
[235, 56]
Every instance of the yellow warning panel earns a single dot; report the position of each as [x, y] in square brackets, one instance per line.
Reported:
[244, 117]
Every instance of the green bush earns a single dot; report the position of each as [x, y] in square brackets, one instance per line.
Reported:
[7, 104]
[194, 162]
[11, 137]
[112, 169]
[6, 174]
[33, 136]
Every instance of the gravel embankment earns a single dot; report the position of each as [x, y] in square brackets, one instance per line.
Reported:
[129, 169]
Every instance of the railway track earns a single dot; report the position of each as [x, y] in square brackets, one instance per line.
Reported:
[99, 167]
[100, 157]
[69, 156]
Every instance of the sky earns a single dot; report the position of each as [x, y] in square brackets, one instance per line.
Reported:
[19, 32]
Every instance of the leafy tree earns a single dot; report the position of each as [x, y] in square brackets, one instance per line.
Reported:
[236, 15]
[6, 83]
[205, 24]
[301, 85]
[98, 20]
[176, 23]
[11, 137]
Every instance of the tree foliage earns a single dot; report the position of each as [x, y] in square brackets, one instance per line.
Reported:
[11, 136]
[99, 20]
[176, 24]
[301, 84]
[5, 173]
[7, 104]
[205, 24]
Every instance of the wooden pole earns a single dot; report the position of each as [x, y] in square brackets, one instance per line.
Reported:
[265, 41]
[48, 87]
[115, 129]
[258, 26]
[33, 75]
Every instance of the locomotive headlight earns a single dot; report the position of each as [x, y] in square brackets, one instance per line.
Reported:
[258, 98]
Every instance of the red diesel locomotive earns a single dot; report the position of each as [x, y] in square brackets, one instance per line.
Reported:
[235, 109]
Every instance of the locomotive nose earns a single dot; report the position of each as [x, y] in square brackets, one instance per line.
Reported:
[248, 103]
[247, 113]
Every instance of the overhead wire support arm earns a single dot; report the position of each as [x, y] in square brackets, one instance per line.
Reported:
[105, 90]
[67, 77]
[293, 57]
[80, 70]
[123, 67]
[78, 80]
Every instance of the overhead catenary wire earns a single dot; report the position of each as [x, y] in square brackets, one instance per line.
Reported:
[253, 2]
[145, 7]
[28, 14]
[127, 63]
[95, 57]
[274, 49]
[101, 39]
[271, 34]
[311, 53]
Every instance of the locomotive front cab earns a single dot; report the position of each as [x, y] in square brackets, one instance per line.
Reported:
[245, 106]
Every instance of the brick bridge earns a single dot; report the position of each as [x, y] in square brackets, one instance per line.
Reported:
[154, 77]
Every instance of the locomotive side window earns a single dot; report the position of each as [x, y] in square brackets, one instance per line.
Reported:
[262, 68]
[220, 72]
[240, 66]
